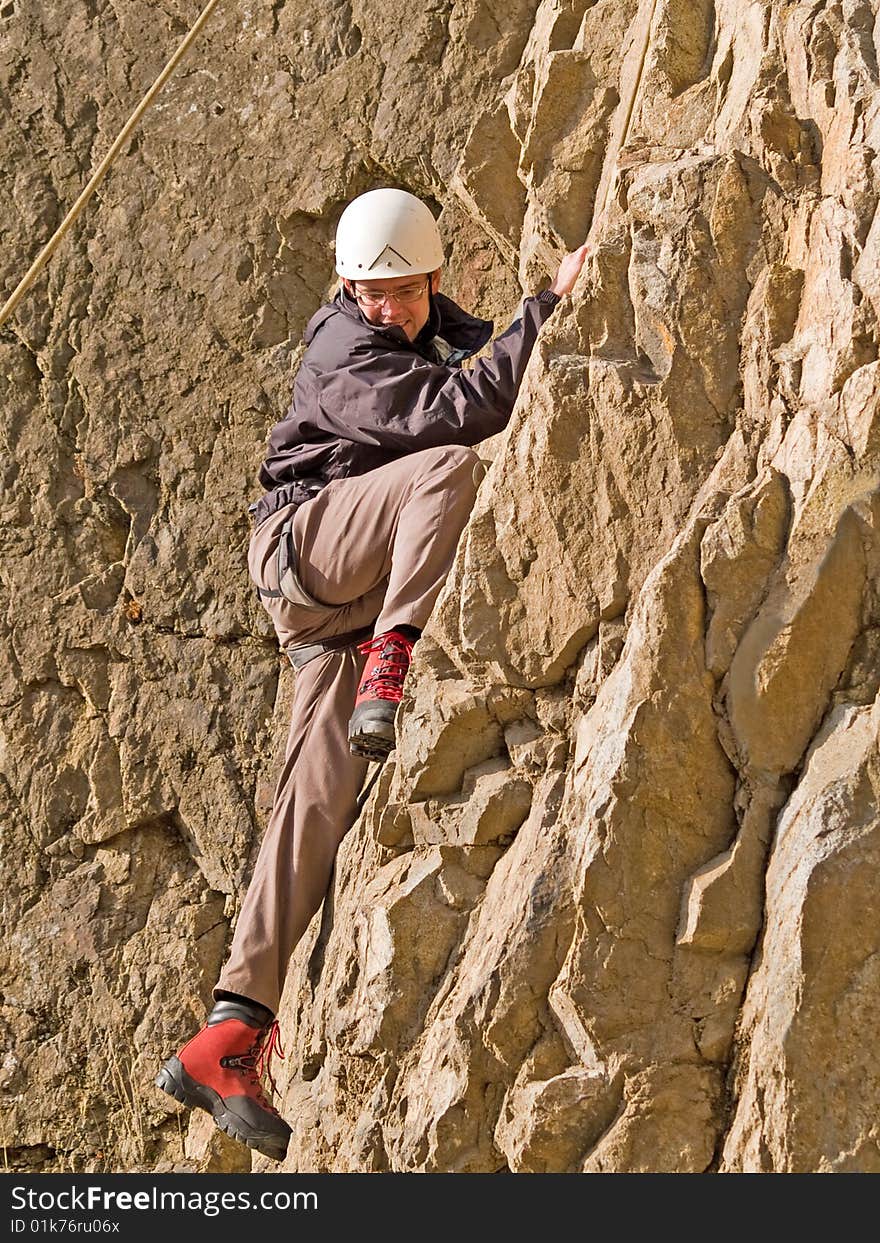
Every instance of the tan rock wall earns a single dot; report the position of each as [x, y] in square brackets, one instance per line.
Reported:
[613, 906]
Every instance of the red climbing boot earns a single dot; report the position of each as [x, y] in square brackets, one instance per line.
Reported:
[219, 1070]
[371, 728]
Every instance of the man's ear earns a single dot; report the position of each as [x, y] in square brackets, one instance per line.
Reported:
[349, 288]
[435, 281]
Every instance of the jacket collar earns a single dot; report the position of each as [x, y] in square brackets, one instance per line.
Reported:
[463, 332]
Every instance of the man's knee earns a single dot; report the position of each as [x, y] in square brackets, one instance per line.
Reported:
[470, 463]
[459, 463]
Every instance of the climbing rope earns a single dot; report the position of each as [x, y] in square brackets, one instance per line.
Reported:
[609, 182]
[98, 175]
[630, 112]
[52, 245]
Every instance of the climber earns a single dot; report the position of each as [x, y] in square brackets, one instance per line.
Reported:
[369, 480]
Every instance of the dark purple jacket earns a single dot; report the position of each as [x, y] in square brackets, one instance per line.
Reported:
[364, 395]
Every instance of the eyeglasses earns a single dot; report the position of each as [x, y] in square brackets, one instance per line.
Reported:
[376, 297]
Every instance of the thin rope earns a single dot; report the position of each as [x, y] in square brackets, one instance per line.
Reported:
[546, 248]
[51, 246]
[631, 107]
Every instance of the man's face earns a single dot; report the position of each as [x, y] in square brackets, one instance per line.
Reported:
[399, 300]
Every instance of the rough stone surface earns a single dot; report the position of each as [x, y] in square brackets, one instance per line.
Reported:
[613, 905]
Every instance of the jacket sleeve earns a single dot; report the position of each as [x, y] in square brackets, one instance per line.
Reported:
[398, 400]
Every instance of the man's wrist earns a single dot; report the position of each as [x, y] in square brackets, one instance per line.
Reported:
[549, 296]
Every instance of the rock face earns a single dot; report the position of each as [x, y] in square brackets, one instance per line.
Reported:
[613, 906]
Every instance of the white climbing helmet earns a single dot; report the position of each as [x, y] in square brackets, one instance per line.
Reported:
[387, 233]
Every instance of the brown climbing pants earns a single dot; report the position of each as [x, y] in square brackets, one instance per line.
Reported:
[375, 549]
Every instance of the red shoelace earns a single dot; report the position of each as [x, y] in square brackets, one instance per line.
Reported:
[384, 679]
[258, 1060]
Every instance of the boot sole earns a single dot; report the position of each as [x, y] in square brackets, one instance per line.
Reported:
[174, 1080]
[369, 746]
[371, 734]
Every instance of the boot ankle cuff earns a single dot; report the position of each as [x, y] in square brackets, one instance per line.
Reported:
[250, 1012]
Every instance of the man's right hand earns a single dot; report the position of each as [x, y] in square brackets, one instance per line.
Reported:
[570, 269]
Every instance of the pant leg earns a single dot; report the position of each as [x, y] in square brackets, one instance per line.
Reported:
[377, 548]
[315, 805]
